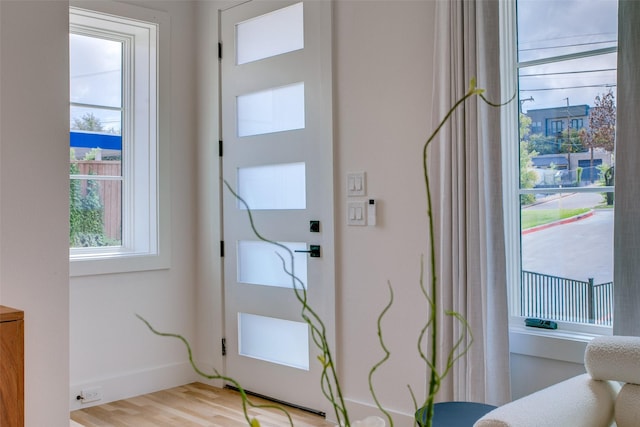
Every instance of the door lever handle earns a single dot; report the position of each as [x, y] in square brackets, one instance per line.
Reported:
[314, 251]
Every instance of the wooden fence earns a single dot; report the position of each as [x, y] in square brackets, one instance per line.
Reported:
[110, 192]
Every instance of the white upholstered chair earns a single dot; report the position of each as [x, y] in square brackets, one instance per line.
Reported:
[607, 395]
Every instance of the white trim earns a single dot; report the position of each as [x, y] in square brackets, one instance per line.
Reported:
[134, 383]
[510, 152]
[361, 410]
[145, 246]
[568, 57]
[567, 346]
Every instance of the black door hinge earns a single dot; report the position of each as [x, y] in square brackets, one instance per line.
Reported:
[219, 50]
[222, 248]
[220, 148]
[224, 346]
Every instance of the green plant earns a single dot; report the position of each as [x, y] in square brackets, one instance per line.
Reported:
[528, 176]
[578, 175]
[91, 154]
[86, 212]
[329, 380]
[606, 178]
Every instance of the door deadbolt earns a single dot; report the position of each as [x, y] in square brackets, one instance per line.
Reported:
[313, 251]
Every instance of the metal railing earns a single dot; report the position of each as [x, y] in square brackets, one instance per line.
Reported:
[558, 298]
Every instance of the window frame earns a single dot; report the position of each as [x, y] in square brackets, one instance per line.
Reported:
[145, 191]
[567, 343]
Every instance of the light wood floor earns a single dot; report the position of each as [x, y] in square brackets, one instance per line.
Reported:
[194, 404]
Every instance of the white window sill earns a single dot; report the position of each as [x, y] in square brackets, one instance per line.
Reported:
[558, 344]
[118, 264]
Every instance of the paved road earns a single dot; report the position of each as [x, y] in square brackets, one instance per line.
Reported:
[578, 250]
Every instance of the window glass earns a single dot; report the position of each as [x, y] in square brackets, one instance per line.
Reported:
[551, 28]
[275, 33]
[96, 70]
[261, 263]
[280, 341]
[272, 110]
[567, 110]
[95, 82]
[267, 187]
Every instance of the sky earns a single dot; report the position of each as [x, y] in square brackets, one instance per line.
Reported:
[95, 78]
[550, 28]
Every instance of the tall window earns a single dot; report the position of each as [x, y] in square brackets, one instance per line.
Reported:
[567, 78]
[114, 143]
[97, 111]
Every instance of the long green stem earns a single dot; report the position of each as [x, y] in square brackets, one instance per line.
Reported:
[432, 324]
[387, 353]
[434, 380]
[246, 402]
[329, 382]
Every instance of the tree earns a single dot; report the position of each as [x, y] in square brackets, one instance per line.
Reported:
[88, 122]
[86, 214]
[528, 176]
[543, 144]
[86, 210]
[571, 142]
[602, 123]
[601, 132]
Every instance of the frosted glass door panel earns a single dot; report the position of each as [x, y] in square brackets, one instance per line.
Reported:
[275, 340]
[274, 33]
[259, 264]
[273, 110]
[280, 186]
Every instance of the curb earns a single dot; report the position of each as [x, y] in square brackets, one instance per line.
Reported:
[559, 222]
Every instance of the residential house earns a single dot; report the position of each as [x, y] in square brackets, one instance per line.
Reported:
[553, 123]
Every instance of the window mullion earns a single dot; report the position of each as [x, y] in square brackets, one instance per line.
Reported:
[568, 57]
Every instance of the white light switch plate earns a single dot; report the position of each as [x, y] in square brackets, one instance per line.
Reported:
[356, 184]
[356, 213]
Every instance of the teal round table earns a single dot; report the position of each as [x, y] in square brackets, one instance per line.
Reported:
[455, 414]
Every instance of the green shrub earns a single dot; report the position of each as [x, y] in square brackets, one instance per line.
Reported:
[86, 213]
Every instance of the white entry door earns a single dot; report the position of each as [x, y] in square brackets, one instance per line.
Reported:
[277, 154]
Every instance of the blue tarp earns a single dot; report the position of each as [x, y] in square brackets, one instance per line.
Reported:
[95, 140]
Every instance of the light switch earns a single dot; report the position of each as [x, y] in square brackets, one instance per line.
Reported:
[356, 184]
[356, 213]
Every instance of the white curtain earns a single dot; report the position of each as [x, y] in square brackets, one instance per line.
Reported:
[465, 172]
[626, 268]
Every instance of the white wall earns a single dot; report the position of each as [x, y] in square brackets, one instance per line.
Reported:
[110, 347]
[383, 55]
[34, 189]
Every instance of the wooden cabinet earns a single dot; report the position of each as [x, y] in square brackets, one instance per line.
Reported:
[11, 367]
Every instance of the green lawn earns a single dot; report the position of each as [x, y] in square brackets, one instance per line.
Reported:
[533, 217]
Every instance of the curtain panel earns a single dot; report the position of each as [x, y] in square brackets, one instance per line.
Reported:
[466, 174]
[626, 233]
